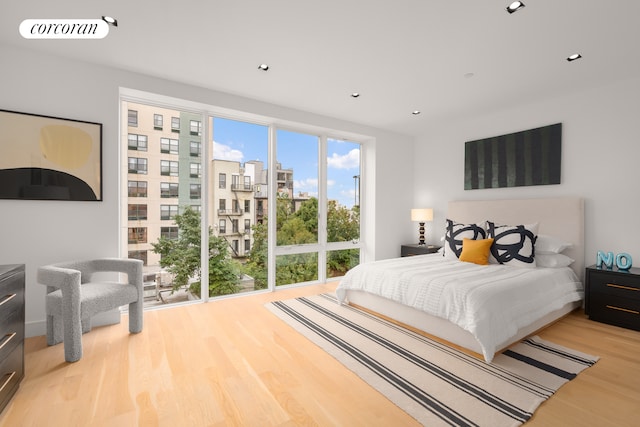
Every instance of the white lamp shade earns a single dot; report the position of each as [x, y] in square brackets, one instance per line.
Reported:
[422, 215]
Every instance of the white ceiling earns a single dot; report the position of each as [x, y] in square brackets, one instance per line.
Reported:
[401, 55]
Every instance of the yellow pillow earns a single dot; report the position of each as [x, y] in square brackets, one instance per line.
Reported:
[476, 251]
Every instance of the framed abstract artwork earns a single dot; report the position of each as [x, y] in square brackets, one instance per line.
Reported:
[49, 158]
[530, 157]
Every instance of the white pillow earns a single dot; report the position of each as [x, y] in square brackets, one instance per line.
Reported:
[454, 233]
[513, 244]
[550, 245]
[553, 260]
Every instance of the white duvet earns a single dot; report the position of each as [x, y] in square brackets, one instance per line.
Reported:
[491, 302]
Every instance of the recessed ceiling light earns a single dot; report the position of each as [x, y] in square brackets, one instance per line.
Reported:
[355, 94]
[516, 5]
[574, 57]
[263, 67]
[415, 112]
[111, 21]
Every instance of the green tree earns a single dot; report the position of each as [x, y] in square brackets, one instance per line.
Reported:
[256, 265]
[284, 209]
[181, 257]
[295, 232]
[301, 227]
[343, 225]
[308, 213]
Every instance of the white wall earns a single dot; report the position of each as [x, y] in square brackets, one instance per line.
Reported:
[600, 154]
[41, 232]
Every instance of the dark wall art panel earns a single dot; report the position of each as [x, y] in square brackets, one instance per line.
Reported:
[530, 157]
[49, 158]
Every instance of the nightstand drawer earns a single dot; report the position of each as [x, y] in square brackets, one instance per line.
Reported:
[625, 286]
[11, 373]
[615, 310]
[11, 310]
[411, 250]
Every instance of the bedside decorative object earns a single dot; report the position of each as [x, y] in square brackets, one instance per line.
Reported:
[413, 249]
[421, 216]
[623, 260]
[613, 296]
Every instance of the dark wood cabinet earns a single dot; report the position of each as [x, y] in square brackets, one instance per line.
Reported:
[11, 331]
[613, 296]
[411, 250]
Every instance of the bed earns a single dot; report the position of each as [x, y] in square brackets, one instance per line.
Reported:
[430, 292]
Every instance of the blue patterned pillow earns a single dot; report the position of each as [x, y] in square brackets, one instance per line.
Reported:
[513, 244]
[454, 234]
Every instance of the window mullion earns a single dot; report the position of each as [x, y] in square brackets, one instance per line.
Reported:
[204, 212]
[271, 210]
[322, 209]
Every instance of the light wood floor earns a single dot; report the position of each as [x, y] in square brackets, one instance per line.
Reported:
[232, 362]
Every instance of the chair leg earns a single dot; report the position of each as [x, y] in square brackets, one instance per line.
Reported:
[86, 325]
[72, 337]
[54, 330]
[136, 317]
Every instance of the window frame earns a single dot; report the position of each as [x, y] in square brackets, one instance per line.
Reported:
[137, 235]
[138, 161]
[138, 209]
[132, 118]
[169, 190]
[172, 211]
[195, 127]
[195, 191]
[169, 167]
[138, 186]
[168, 232]
[207, 111]
[158, 120]
[197, 152]
[141, 142]
[169, 145]
[175, 124]
[195, 169]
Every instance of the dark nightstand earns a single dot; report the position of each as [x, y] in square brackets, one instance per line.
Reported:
[613, 296]
[414, 249]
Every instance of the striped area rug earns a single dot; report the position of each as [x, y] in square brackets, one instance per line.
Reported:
[434, 383]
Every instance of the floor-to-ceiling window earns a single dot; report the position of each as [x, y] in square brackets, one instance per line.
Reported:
[297, 215]
[276, 205]
[239, 167]
[344, 163]
[163, 199]
[318, 207]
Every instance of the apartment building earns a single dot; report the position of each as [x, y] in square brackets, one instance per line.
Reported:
[164, 175]
[164, 170]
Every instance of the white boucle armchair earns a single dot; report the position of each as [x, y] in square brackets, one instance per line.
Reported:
[73, 298]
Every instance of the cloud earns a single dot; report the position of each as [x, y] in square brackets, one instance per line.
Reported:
[351, 160]
[225, 152]
[308, 184]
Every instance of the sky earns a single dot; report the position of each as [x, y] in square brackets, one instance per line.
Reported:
[241, 142]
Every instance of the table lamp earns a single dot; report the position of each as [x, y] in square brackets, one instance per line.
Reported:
[421, 216]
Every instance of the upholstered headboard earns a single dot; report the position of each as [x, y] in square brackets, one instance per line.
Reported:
[560, 217]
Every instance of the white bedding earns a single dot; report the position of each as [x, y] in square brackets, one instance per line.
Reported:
[491, 302]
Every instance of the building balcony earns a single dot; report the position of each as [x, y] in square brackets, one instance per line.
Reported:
[241, 187]
[230, 212]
